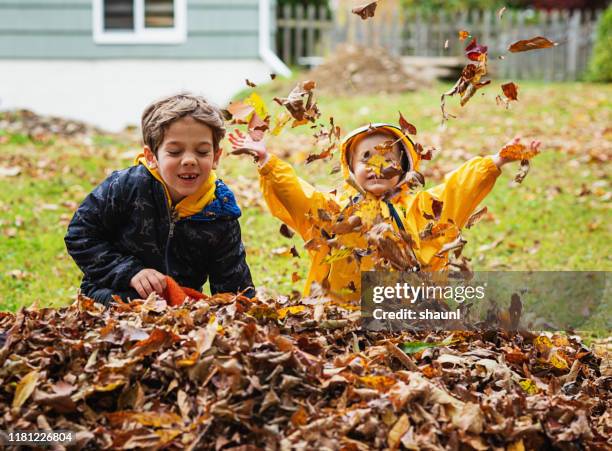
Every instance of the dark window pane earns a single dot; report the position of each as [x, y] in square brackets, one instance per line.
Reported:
[159, 13]
[118, 14]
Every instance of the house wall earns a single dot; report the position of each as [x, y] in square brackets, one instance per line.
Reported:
[63, 29]
[50, 64]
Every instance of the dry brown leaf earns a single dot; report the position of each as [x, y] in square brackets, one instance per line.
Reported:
[538, 42]
[365, 11]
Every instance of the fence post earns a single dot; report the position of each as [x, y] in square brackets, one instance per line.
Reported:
[286, 11]
[573, 38]
[310, 30]
[299, 32]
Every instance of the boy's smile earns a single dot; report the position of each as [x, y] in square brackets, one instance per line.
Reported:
[185, 157]
[365, 173]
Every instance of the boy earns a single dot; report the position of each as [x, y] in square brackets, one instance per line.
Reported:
[297, 203]
[167, 215]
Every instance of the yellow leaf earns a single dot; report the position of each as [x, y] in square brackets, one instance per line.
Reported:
[516, 446]
[257, 102]
[282, 313]
[558, 362]
[381, 383]
[517, 151]
[377, 162]
[560, 340]
[529, 386]
[109, 387]
[280, 120]
[25, 387]
[543, 344]
[337, 254]
[397, 431]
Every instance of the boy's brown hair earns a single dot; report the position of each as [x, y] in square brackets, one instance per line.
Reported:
[158, 116]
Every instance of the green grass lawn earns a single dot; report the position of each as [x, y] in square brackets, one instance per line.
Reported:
[558, 219]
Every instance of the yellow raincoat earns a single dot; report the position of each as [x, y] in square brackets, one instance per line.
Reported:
[295, 202]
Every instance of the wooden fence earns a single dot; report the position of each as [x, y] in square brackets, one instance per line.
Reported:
[307, 34]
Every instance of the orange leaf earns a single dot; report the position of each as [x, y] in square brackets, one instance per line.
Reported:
[539, 42]
[510, 91]
[406, 126]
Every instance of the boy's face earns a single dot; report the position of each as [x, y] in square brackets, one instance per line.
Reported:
[363, 165]
[185, 157]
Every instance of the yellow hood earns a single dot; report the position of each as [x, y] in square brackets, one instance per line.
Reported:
[192, 204]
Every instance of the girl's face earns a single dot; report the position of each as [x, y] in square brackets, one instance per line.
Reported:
[364, 163]
[185, 157]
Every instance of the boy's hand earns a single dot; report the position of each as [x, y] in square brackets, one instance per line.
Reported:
[242, 143]
[148, 281]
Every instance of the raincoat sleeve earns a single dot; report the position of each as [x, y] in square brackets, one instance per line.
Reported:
[464, 188]
[89, 238]
[289, 198]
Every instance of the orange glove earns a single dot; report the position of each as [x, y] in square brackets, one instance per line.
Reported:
[175, 295]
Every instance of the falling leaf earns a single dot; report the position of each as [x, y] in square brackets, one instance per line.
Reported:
[463, 35]
[538, 42]
[280, 120]
[456, 245]
[475, 51]
[240, 111]
[406, 126]
[510, 91]
[365, 11]
[295, 277]
[286, 231]
[522, 172]
[476, 217]
[250, 84]
[500, 13]
[300, 103]
[327, 153]
[294, 252]
[446, 44]
[24, 388]
[272, 76]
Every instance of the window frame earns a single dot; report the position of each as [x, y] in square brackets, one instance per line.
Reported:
[140, 34]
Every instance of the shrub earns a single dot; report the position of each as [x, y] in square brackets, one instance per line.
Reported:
[600, 66]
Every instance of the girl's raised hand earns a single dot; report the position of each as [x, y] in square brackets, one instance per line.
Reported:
[242, 144]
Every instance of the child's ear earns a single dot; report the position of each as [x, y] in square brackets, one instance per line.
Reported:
[216, 157]
[150, 156]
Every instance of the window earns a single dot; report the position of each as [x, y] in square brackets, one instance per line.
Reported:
[139, 21]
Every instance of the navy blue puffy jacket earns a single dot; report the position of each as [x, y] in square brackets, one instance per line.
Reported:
[125, 225]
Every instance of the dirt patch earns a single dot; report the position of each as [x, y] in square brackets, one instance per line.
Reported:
[355, 69]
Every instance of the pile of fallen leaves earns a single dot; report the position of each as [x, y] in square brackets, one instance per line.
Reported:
[38, 127]
[354, 69]
[227, 372]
